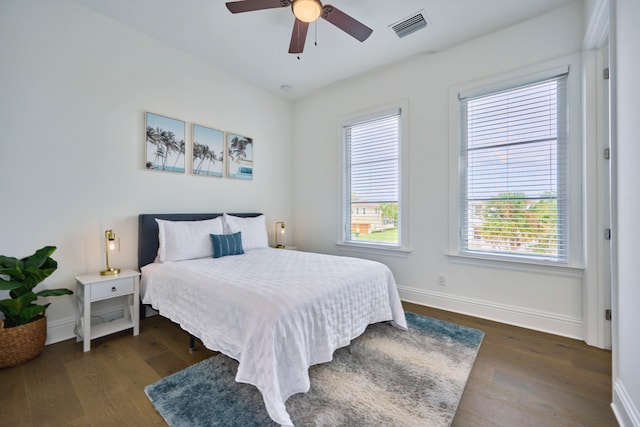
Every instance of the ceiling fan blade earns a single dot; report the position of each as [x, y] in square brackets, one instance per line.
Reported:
[346, 23]
[251, 5]
[298, 36]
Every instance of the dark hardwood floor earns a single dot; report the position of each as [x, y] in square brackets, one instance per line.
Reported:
[527, 378]
[520, 378]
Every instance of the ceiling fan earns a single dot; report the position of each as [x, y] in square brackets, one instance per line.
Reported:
[305, 12]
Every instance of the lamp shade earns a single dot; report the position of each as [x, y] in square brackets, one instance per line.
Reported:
[112, 242]
[280, 227]
[307, 10]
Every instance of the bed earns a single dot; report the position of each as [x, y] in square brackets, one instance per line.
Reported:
[277, 312]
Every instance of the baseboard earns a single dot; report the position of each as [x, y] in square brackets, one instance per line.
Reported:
[552, 323]
[60, 329]
[624, 408]
[63, 329]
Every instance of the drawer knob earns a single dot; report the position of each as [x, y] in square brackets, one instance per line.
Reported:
[113, 289]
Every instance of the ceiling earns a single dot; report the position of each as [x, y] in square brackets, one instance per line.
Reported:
[254, 45]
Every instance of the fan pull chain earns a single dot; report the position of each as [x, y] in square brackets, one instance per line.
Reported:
[315, 30]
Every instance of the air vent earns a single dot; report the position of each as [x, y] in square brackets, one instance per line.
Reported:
[409, 25]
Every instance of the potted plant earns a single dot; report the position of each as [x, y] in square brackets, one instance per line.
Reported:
[24, 329]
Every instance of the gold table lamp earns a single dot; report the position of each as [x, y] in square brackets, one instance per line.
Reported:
[111, 244]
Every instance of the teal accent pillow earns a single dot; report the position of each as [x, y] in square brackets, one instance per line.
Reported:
[227, 244]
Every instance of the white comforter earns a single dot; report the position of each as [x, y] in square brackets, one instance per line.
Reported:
[275, 311]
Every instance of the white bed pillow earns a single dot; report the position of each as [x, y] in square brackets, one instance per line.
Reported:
[254, 230]
[179, 240]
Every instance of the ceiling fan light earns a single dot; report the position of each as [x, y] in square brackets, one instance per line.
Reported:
[307, 10]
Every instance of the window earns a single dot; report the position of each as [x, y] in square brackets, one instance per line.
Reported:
[372, 171]
[513, 177]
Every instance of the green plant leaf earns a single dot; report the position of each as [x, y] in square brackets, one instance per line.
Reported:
[11, 267]
[54, 292]
[8, 285]
[28, 313]
[26, 299]
[10, 308]
[19, 277]
[8, 262]
[35, 275]
[39, 257]
[13, 308]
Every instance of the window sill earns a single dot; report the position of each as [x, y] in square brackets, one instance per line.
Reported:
[518, 264]
[373, 249]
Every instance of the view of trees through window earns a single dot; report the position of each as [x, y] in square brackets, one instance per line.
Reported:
[379, 223]
[513, 223]
[371, 179]
[515, 188]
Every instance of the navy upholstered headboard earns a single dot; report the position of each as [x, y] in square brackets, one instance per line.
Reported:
[148, 231]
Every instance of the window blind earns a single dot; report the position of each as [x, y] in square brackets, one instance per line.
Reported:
[371, 176]
[514, 171]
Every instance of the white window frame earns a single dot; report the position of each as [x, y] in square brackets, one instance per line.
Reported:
[402, 248]
[574, 165]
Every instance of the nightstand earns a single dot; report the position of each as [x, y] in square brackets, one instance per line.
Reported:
[94, 287]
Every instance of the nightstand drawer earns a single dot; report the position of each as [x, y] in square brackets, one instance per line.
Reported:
[112, 288]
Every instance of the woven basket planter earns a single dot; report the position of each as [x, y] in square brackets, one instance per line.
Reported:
[22, 343]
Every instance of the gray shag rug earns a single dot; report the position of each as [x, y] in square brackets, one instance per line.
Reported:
[386, 377]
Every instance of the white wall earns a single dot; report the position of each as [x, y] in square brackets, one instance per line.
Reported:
[596, 21]
[74, 87]
[548, 300]
[626, 152]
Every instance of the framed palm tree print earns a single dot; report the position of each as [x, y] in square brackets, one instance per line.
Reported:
[208, 151]
[240, 156]
[164, 143]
